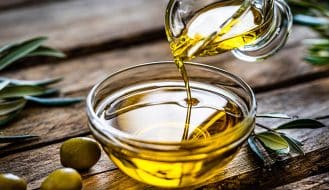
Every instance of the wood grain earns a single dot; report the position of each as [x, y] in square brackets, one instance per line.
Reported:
[12, 3]
[243, 172]
[90, 69]
[57, 123]
[240, 174]
[15, 4]
[72, 24]
[89, 31]
[38, 163]
[84, 27]
[317, 182]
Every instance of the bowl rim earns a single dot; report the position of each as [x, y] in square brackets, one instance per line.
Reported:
[96, 122]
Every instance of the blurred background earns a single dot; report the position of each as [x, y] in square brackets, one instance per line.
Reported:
[100, 37]
[82, 28]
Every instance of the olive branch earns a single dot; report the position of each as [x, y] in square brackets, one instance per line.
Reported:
[16, 94]
[272, 143]
[314, 14]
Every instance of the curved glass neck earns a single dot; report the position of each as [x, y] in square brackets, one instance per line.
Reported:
[252, 29]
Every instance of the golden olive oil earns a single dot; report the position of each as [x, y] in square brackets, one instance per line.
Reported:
[158, 114]
[203, 38]
[217, 29]
[155, 112]
[167, 112]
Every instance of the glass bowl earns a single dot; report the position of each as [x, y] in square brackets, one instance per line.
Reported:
[171, 164]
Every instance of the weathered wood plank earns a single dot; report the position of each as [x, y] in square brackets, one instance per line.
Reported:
[233, 177]
[243, 172]
[52, 123]
[285, 65]
[14, 4]
[284, 172]
[80, 74]
[72, 24]
[40, 162]
[308, 100]
[317, 182]
[84, 26]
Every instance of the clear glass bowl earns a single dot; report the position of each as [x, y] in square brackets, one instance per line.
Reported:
[171, 164]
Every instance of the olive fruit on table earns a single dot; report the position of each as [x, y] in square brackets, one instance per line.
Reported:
[11, 182]
[80, 153]
[63, 179]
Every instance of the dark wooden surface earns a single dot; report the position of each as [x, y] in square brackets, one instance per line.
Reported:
[103, 36]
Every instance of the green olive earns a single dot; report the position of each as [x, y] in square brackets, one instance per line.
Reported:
[80, 153]
[63, 179]
[11, 182]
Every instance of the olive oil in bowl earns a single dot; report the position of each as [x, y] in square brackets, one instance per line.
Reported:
[139, 120]
[177, 129]
[156, 112]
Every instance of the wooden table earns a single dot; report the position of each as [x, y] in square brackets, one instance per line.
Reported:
[103, 36]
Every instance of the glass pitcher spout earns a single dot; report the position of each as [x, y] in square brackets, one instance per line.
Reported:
[252, 29]
[272, 40]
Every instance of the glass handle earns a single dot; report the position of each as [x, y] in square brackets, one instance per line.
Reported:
[271, 41]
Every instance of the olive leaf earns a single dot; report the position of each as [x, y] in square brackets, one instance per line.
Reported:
[274, 142]
[310, 20]
[54, 101]
[3, 84]
[6, 47]
[43, 82]
[10, 106]
[20, 51]
[49, 92]
[318, 52]
[4, 119]
[278, 142]
[317, 42]
[17, 138]
[314, 14]
[20, 91]
[317, 60]
[301, 123]
[307, 5]
[14, 51]
[15, 93]
[259, 150]
[274, 115]
[254, 146]
[294, 144]
[46, 51]
[291, 138]
[321, 117]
